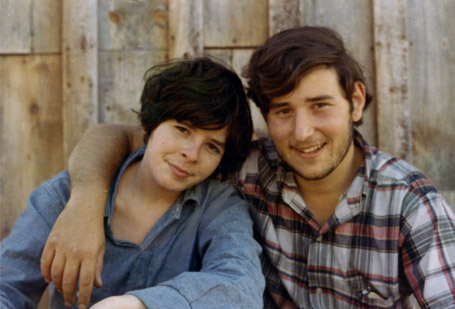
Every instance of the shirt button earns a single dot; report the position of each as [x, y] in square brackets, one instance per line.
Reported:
[319, 238]
[319, 291]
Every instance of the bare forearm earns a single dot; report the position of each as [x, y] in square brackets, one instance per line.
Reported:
[97, 157]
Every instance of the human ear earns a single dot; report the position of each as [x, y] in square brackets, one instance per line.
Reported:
[358, 101]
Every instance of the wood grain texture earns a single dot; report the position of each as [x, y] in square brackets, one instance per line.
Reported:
[80, 69]
[30, 26]
[185, 28]
[15, 27]
[283, 14]
[121, 82]
[235, 23]
[132, 25]
[47, 26]
[391, 56]
[31, 129]
[430, 30]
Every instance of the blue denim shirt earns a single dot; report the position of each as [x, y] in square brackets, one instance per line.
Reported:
[200, 254]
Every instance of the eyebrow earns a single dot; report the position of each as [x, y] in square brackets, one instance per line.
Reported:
[278, 105]
[309, 100]
[319, 98]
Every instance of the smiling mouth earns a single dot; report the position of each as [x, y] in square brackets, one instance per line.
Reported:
[310, 149]
[179, 172]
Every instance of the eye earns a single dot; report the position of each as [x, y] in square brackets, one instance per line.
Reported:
[213, 148]
[320, 105]
[182, 129]
[283, 113]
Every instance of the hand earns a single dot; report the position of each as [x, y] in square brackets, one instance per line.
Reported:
[120, 302]
[75, 246]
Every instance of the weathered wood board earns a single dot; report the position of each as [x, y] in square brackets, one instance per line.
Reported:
[31, 129]
[121, 82]
[235, 23]
[132, 25]
[431, 31]
[30, 26]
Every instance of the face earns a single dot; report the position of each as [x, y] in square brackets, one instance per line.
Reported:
[312, 126]
[179, 156]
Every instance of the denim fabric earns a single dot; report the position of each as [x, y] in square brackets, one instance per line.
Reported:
[200, 254]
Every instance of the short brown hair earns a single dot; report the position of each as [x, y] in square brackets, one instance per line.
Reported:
[276, 67]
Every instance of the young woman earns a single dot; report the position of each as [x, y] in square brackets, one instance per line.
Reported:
[175, 236]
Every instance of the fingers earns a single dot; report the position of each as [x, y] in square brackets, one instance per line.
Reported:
[69, 281]
[58, 265]
[86, 279]
[46, 261]
[99, 269]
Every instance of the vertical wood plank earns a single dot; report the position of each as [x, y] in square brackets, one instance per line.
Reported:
[121, 82]
[185, 36]
[80, 69]
[391, 58]
[431, 35]
[47, 26]
[30, 26]
[31, 129]
[283, 14]
[132, 25]
[235, 23]
[15, 27]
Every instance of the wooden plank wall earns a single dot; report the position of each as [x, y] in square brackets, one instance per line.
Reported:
[67, 64]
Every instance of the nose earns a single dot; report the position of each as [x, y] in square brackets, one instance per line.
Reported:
[303, 127]
[191, 151]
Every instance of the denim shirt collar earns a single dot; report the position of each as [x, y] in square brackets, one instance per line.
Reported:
[191, 196]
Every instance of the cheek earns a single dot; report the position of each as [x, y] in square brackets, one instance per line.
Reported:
[278, 129]
[334, 122]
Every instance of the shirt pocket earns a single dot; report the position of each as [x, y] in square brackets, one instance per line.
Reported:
[372, 294]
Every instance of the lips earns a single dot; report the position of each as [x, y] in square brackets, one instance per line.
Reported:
[310, 149]
[179, 172]
[309, 152]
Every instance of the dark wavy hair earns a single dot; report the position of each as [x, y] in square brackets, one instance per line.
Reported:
[276, 67]
[205, 93]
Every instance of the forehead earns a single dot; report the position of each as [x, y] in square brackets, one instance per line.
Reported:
[319, 82]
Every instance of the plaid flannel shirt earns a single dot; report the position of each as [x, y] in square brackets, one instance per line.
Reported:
[390, 241]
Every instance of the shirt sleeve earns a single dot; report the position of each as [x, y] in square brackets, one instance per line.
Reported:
[428, 250]
[230, 276]
[21, 282]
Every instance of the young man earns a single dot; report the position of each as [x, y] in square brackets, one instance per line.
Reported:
[342, 225]
[174, 238]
